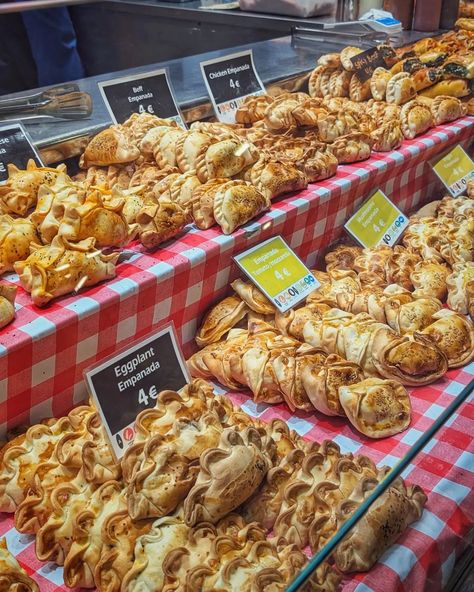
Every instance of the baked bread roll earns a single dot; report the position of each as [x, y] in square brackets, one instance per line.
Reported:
[377, 408]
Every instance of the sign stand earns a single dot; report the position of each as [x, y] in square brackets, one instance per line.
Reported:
[16, 147]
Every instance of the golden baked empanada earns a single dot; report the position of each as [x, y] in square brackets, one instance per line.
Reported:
[461, 288]
[229, 474]
[100, 217]
[20, 192]
[253, 109]
[415, 119]
[332, 60]
[237, 202]
[16, 236]
[203, 203]
[190, 149]
[318, 165]
[152, 139]
[445, 109]
[226, 158]
[352, 147]
[346, 54]
[164, 150]
[429, 278]
[314, 81]
[452, 88]
[376, 407]
[252, 296]
[342, 257]
[274, 177]
[454, 335]
[13, 578]
[358, 90]
[339, 83]
[378, 83]
[400, 89]
[220, 319]
[386, 137]
[324, 79]
[333, 126]
[160, 222]
[63, 267]
[7, 304]
[110, 146]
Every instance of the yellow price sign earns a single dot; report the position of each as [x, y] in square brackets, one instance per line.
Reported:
[278, 272]
[377, 222]
[455, 169]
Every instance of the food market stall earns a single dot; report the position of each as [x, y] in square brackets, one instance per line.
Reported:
[46, 349]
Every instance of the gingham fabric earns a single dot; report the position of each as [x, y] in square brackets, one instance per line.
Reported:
[43, 353]
[423, 558]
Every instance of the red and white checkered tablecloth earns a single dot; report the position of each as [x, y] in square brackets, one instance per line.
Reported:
[43, 352]
[422, 559]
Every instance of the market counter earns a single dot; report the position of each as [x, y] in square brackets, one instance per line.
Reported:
[44, 352]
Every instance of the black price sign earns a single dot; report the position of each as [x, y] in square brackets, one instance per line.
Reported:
[229, 80]
[15, 148]
[143, 93]
[366, 62]
[130, 381]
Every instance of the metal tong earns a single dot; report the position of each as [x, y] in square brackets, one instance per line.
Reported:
[63, 102]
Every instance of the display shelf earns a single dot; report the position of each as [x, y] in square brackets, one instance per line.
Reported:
[424, 556]
[43, 353]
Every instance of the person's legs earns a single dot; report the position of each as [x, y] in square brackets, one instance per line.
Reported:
[53, 45]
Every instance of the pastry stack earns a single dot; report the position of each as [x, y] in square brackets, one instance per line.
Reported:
[192, 503]
[375, 325]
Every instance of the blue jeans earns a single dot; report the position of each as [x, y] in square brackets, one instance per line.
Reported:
[53, 45]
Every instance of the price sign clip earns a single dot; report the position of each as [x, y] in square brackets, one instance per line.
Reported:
[130, 380]
[377, 222]
[454, 168]
[278, 272]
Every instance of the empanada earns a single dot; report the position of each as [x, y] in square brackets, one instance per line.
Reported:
[429, 279]
[253, 109]
[16, 236]
[452, 88]
[110, 146]
[378, 83]
[352, 147]
[203, 203]
[7, 303]
[164, 151]
[460, 65]
[229, 474]
[335, 125]
[400, 89]
[387, 137]
[160, 222]
[20, 192]
[461, 288]
[13, 578]
[426, 77]
[274, 177]
[358, 90]
[152, 138]
[252, 296]
[237, 202]
[454, 335]
[220, 319]
[415, 119]
[226, 158]
[376, 407]
[445, 109]
[190, 149]
[99, 217]
[314, 82]
[339, 83]
[346, 54]
[63, 267]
